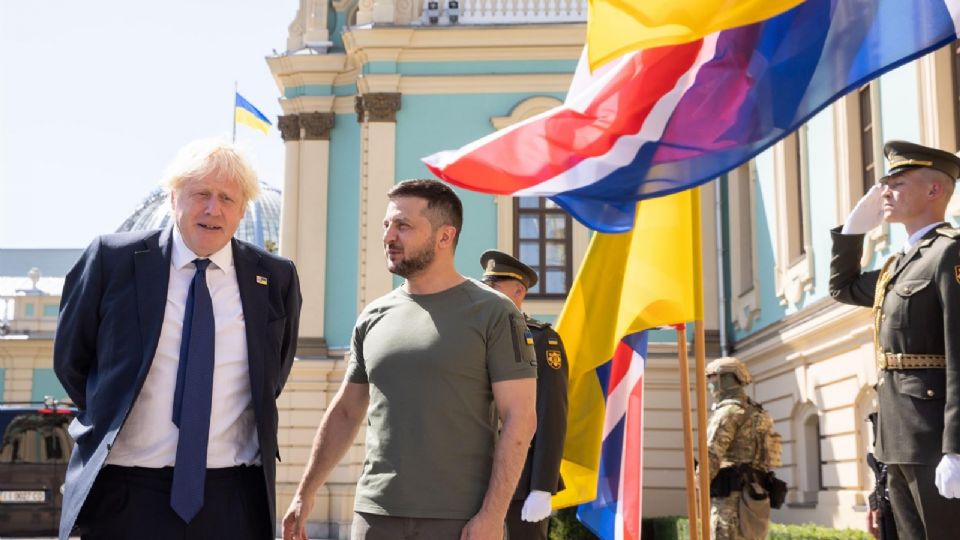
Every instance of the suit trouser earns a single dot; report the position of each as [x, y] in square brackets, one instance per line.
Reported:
[517, 529]
[368, 526]
[134, 502]
[918, 508]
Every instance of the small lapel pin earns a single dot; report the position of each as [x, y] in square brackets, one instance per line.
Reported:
[261, 280]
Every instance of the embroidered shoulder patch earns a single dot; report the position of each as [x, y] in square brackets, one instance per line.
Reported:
[553, 359]
[956, 273]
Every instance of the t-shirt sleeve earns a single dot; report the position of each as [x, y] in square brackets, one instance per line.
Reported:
[510, 353]
[356, 368]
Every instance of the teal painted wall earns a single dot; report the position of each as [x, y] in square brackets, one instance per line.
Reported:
[45, 383]
[461, 119]
[822, 203]
[900, 114]
[765, 210]
[899, 119]
[343, 235]
[819, 219]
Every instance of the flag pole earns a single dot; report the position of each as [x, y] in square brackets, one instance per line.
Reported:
[685, 412]
[699, 372]
[699, 350]
[234, 111]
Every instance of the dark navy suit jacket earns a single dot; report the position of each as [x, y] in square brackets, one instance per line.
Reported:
[111, 312]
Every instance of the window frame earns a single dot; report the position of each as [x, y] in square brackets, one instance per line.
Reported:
[808, 455]
[794, 252]
[848, 127]
[745, 300]
[939, 82]
[505, 215]
[542, 211]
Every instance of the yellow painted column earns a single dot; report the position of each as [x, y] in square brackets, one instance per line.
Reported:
[312, 244]
[289, 207]
[378, 113]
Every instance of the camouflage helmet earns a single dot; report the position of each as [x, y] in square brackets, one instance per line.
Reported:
[729, 364]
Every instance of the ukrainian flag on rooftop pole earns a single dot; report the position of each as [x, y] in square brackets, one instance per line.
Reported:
[247, 114]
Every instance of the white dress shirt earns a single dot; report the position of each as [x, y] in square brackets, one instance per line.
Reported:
[915, 237]
[149, 436]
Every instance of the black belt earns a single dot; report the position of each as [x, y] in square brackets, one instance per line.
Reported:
[166, 473]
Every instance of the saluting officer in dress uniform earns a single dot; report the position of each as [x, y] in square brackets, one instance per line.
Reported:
[527, 517]
[916, 306]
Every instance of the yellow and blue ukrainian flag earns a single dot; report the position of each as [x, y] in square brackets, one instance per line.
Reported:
[647, 277]
[245, 113]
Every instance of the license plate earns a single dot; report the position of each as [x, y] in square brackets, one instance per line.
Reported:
[19, 497]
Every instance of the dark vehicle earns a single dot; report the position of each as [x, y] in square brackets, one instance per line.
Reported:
[33, 462]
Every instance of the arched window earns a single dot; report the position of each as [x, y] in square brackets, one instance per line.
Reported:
[793, 240]
[809, 461]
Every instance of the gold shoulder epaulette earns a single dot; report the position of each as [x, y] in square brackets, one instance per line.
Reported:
[949, 231]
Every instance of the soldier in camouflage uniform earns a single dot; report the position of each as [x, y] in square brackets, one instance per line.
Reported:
[739, 456]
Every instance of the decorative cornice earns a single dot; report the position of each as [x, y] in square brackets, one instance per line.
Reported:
[317, 125]
[466, 37]
[293, 64]
[308, 104]
[289, 127]
[373, 83]
[381, 106]
[819, 332]
[478, 84]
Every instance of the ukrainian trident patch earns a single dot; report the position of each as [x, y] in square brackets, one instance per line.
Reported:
[553, 359]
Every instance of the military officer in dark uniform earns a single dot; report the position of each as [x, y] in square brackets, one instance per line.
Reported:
[915, 298]
[527, 517]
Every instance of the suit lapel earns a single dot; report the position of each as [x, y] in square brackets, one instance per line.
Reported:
[253, 282]
[921, 244]
[152, 270]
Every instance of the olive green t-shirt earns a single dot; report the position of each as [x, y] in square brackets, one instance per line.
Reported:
[431, 424]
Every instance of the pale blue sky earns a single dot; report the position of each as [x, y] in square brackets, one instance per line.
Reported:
[97, 96]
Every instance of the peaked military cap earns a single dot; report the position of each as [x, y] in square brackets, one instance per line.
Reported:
[498, 265]
[902, 155]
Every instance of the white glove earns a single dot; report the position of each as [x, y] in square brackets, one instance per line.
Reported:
[536, 507]
[947, 476]
[867, 214]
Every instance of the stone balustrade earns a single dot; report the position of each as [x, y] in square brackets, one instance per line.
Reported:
[506, 11]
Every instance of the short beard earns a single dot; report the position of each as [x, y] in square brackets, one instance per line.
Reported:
[411, 266]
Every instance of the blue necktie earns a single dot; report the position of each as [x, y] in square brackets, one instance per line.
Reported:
[191, 399]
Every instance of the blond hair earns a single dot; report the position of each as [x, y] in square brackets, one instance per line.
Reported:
[212, 156]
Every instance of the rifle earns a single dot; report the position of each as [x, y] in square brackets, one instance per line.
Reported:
[880, 498]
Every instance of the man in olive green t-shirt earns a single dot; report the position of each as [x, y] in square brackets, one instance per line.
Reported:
[434, 365]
